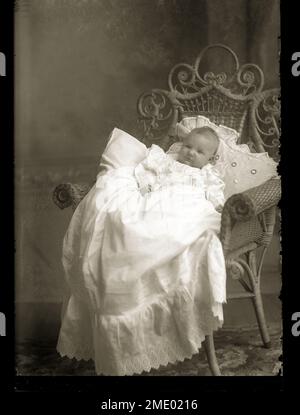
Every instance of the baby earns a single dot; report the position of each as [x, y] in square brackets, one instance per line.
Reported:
[197, 152]
[199, 147]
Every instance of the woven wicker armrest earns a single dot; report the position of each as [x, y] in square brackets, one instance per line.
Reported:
[243, 206]
[69, 194]
[246, 206]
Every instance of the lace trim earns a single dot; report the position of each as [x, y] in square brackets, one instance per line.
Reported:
[153, 358]
[75, 353]
[159, 169]
[179, 337]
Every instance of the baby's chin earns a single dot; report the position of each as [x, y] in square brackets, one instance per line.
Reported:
[184, 160]
[190, 163]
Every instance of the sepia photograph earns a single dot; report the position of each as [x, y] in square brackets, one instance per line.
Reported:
[147, 226]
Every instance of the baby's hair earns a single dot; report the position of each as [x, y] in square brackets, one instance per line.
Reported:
[205, 130]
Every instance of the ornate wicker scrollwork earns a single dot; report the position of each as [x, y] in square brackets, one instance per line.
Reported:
[242, 80]
[231, 95]
[186, 78]
[156, 110]
[243, 270]
[61, 196]
[212, 78]
[68, 194]
[250, 78]
[234, 269]
[240, 207]
[183, 78]
[265, 122]
[151, 106]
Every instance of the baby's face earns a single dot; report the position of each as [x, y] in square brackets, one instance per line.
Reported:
[197, 150]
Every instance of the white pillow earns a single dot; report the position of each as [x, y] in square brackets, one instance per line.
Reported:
[122, 150]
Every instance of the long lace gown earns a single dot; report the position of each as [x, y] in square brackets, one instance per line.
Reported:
[145, 267]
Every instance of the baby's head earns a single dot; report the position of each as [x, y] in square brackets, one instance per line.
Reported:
[199, 147]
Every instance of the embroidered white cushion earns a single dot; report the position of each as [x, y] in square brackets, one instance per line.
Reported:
[241, 169]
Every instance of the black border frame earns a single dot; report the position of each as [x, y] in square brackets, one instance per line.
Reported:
[7, 352]
[182, 387]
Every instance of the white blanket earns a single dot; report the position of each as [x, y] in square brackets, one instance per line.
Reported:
[145, 267]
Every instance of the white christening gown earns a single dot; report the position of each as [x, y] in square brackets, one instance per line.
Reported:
[145, 267]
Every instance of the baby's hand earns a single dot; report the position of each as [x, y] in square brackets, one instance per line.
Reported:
[219, 208]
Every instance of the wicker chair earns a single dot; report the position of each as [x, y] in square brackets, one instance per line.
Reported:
[235, 99]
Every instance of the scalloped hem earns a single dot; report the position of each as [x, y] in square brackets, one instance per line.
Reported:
[151, 358]
[174, 360]
[75, 356]
[168, 330]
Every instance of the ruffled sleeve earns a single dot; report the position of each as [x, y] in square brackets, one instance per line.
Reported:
[214, 186]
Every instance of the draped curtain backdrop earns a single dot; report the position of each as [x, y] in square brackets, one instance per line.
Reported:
[79, 69]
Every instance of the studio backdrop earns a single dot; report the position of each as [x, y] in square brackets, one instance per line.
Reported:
[80, 67]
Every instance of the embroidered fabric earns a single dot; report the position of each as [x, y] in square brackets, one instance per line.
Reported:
[160, 169]
[149, 341]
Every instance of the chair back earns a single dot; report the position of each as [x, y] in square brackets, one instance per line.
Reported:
[234, 97]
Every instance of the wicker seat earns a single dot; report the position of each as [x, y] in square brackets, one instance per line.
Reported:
[235, 99]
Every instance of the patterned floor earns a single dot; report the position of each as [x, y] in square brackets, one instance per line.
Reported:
[239, 352]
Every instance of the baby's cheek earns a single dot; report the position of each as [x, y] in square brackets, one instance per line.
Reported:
[200, 162]
[181, 155]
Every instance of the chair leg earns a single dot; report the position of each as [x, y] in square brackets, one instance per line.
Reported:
[260, 316]
[211, 355]
[255, 276]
